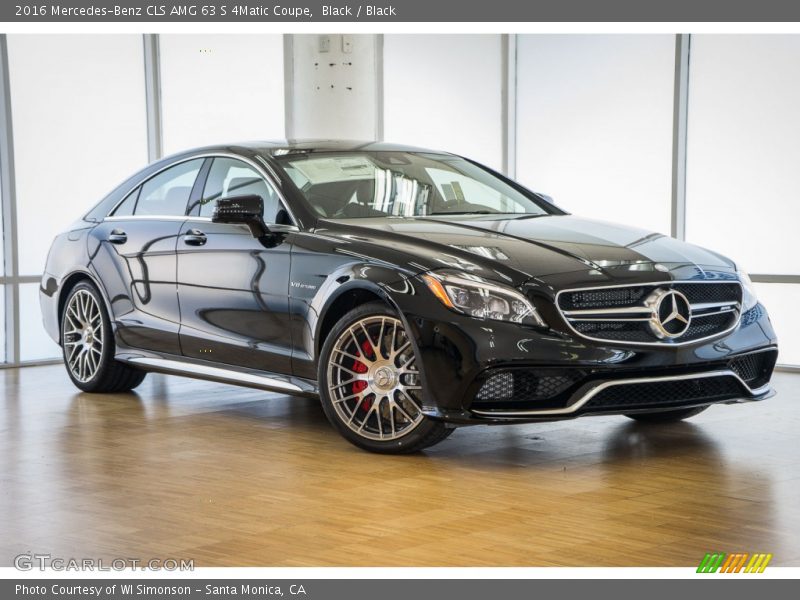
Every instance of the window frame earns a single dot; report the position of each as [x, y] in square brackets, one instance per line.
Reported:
[193, 207]
[199, 185]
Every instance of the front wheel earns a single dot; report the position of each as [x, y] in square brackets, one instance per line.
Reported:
[370, 384]
[667, 416]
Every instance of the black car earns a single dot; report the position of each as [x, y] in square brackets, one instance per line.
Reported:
[414, 291]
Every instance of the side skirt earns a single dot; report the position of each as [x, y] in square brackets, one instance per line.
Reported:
[218, 372]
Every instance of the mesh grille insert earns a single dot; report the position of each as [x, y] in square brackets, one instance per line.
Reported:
[754, 368]
[710, 292]
[612, 297]
[524, 385]
[665, 393]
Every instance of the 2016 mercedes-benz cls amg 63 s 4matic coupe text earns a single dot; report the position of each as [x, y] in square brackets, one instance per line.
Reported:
[413, 291]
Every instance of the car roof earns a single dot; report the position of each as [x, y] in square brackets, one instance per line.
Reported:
[283, 147]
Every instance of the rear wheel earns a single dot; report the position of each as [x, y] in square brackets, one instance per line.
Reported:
[370, 384]
[87, 342]
[667, 416]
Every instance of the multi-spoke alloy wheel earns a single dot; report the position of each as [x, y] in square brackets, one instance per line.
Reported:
[83, 335]
[373, 380]
[372, 384]
[88, 343]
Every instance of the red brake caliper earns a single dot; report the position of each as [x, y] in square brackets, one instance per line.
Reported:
[359, 367]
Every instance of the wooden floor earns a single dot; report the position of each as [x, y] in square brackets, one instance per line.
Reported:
[229, 476]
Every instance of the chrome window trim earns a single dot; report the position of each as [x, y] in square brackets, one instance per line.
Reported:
[146, 218]
[661, 344]
[620, 382]
[268, 176]
[273, 227]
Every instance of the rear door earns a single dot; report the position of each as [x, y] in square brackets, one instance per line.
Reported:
[135, 255]
[233, 289]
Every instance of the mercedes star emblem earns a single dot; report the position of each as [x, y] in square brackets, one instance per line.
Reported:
[672, 313]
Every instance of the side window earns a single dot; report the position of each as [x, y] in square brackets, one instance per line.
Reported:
[168, 192]
[231, 177]
[127, 206]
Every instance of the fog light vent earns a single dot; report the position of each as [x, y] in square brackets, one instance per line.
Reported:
[497, 387]
[522, 385]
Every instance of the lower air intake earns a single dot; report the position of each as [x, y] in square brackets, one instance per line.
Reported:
[667, 394]
[523, 385]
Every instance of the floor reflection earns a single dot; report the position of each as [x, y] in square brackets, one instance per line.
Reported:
[232, 476]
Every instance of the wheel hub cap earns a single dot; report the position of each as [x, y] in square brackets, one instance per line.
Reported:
[384, 378]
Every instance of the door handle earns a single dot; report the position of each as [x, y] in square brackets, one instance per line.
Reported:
[194, 237]
[117, 236]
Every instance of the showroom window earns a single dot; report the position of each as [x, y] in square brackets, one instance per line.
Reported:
[594, 124]
[2, 324]
[220, 88]
[742, 155]
[445, 100]
[66, 68]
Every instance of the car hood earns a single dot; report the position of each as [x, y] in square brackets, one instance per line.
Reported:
[518, 249]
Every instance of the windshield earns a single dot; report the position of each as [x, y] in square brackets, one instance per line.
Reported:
[349, 185]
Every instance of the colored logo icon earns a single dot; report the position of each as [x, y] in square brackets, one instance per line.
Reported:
[740, 562]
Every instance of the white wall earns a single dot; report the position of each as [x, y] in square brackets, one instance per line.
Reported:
[444, 92]
[782, 300]
[335, 87]
[743, 156]
[2, 323]
[79, 121]
[743, 163]
[78, 110]
[221, 88]
[594, 124]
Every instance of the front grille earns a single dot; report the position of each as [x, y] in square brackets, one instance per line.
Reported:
[710, 292]
[666, 394]
[610, 297]
[754, 368]
[627, 331]
[623, 314]
[517, 386]
[707, 326]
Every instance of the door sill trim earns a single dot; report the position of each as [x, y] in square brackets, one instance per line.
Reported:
[213, 373]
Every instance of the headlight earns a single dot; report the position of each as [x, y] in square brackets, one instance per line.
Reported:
[480, 299]
[749, 299]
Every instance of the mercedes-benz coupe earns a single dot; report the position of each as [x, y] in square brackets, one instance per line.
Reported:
[413, 291]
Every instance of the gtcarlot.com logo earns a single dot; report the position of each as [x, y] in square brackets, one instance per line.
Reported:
[739, 562]
[43, 562]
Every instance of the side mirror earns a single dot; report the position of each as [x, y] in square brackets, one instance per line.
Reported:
[243, 210]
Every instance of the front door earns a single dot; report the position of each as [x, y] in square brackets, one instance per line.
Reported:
[232, 289]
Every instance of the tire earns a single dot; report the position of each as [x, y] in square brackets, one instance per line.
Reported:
[667, 416]
[370, 386]
[87, 343]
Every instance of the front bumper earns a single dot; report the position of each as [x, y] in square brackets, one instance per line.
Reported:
[555, 374]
